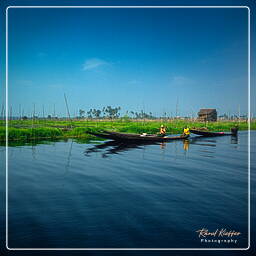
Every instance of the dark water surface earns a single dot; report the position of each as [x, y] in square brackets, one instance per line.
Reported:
[70, 194]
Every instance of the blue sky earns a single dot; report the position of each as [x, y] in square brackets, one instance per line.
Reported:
[134, 58]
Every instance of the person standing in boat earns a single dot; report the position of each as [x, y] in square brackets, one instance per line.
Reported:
[162, 130]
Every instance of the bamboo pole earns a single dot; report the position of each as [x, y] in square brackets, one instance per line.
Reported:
[239, 114]
[43, 111]
[20, 111]
[34, 112]
[10, 113]
[68, 109]
[177, 107]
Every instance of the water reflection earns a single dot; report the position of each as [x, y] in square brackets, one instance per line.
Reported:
[35, 142]
[207, 146]
[69, 157]
[114, 147]
[20, 143]
[234, 140]
[33, 152]
[146, 197]
[186, 145]
[163, 145]
[203, 141]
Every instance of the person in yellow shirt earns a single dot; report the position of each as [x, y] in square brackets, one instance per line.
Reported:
[186, 131]
[162, 130]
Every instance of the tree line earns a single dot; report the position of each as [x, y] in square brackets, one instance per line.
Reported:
[113, 113]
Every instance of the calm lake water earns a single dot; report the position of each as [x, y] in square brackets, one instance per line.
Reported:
[69, 194]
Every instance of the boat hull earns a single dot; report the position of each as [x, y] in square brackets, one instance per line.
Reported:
[130, 137]
[211, 134]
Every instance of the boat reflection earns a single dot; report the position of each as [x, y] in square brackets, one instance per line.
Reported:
[207, 146]
[163, 145]
[114, 147]
[203, 141]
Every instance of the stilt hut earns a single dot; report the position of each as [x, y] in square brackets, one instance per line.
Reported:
[207, 114]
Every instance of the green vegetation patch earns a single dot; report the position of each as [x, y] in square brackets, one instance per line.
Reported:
[26, 130]
[29, 133]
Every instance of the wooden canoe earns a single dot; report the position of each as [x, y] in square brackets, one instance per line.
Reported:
[214, 134]
[126, 137]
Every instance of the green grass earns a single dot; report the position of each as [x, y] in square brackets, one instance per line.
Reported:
[29, 133]
[25, 130]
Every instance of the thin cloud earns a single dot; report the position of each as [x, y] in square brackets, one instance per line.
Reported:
[94, 63]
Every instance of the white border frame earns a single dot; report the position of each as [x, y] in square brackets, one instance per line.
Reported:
[131, 249]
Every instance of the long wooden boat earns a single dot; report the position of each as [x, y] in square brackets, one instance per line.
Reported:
[131, 137]
[214, 134]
